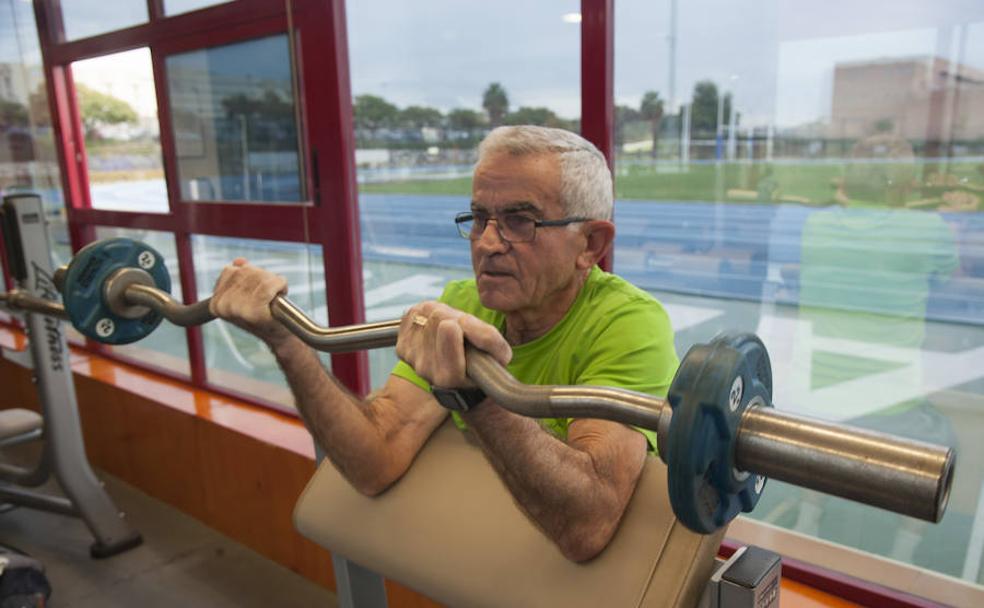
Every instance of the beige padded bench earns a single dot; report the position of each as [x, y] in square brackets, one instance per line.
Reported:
[450, 530]
[19, 425]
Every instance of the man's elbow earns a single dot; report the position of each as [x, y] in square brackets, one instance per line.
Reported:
[370, 487]
[373, 481]
[583, 542]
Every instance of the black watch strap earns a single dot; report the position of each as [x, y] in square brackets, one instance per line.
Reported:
[458, 399]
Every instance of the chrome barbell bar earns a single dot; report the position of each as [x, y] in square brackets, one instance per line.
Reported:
[901, 475]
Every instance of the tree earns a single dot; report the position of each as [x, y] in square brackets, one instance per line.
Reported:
[270, 120]
[13, 114]
[623, 116]
[539, 115]
[373, 112]
[418, 117]
[269, 105]
[651, 109]
[884, 125]
[496, 103]
[463, 119]
[100, 110]
[704, 107]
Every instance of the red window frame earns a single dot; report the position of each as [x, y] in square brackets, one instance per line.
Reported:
[328, 219]
[331, 214]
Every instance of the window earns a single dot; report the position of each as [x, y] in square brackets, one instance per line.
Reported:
[817, 179]
[239, 361]
[234, 122]
[429, 81]
[28, 162]
[118, 103]
[84, 18]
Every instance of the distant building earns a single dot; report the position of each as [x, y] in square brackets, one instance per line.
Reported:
[17, 81]
[922, 99]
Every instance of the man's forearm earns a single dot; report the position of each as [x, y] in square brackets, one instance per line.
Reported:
[555, 483]
[342, 424]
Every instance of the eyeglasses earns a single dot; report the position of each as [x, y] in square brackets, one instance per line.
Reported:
[512, 227]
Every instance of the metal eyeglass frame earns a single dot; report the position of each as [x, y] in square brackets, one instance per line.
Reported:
[467, 216]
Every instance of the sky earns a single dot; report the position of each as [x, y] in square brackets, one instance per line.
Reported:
[776, 57]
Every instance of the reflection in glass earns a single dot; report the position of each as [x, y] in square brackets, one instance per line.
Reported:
[235, 359]
[84, 18]
[820, 180]
[167, 346]
[28, 162]
[865, 274]
[118, 103]
[233, 116]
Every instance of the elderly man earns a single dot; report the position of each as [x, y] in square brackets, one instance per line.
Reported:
[540, 221]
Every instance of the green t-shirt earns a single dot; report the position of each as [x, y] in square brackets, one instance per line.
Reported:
[614, 334]
[866, 271]
[865, 275]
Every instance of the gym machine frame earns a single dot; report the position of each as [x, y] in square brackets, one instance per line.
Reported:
[63, 453]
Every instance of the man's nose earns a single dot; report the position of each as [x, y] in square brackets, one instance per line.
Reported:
[491, 239]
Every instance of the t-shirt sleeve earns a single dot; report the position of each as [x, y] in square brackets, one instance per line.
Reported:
[403, 370]
[636, 352]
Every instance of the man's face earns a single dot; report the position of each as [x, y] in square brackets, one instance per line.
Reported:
[522, 277]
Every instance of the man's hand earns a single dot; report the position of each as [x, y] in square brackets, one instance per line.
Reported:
[432, 340]
[242, 296]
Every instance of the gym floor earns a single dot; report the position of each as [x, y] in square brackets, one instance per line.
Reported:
[180, 563]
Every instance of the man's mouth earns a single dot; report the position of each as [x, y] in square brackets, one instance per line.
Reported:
[496, 273]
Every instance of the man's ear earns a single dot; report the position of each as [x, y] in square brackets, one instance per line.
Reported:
[599, 235]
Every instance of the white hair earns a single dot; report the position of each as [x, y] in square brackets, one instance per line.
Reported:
[585, 180]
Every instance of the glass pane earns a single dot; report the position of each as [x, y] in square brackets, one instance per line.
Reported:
[28, 162]
[429, 80]
[84, 18]
[235, 133]
[176, 7]
[235, 359]
[821, 183]
[118, 103]
[167, 346]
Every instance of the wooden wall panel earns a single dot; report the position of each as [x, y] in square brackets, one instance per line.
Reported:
[146, 445]
[405, 597]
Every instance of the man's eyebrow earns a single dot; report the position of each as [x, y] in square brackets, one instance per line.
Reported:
[515, 207]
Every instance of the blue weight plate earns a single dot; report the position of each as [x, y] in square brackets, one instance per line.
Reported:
[752, 347]
[83, 289]
[742, 490]
[714, 385]
[689, 445]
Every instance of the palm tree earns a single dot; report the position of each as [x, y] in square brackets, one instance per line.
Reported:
[651, 109]
[496, 103]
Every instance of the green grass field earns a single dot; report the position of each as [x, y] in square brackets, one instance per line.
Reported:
[809, 183]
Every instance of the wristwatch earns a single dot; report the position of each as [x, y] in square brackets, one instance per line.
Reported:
[458, 399]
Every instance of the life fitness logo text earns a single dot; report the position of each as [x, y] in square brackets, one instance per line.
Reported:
[44, 287]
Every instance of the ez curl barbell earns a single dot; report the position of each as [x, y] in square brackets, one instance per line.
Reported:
[718, 432]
